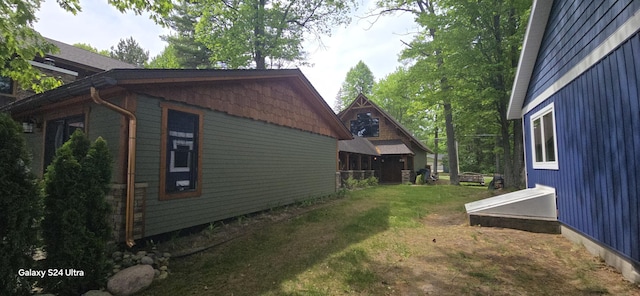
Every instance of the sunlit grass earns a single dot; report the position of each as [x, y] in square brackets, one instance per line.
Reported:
[384, 240]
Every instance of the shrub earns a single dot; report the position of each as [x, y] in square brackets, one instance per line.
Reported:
[75, 227]
[350, 183]
[20, 209]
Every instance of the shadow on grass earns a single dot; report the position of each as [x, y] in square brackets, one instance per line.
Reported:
[262, 262]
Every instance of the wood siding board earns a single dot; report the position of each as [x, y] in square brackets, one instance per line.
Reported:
[572, 35]
[633, 69]
[588, 175]
[601, 182]
[597, 123]
[269, 166]
[621, 193]
[102, 121]
[603, 79]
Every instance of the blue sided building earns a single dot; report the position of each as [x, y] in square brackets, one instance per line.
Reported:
[577, 92]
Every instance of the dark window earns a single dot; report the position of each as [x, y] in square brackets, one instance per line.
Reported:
[6, 85]
[182, 151]
[365, 125]
[59, 131]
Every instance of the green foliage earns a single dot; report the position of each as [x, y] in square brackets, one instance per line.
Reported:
[463, 60]
[90, 48]
[167, 59]
[253, 34]
[359, 79]
[189, 52]
[371, 181]
[20, 209]
[129, 51]
[75, 227]
[351, 183]
[21, 43]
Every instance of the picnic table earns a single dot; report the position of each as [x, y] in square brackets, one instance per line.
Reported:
[471, 177]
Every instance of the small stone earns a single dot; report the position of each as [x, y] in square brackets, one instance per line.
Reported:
[141, 254]
[126, 256]
[115, 270]
[146, 260]
[166, 255]
[163, 275]
[116, 255]
[156, 272]
[163, 268]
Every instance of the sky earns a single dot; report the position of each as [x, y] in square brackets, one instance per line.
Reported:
[376, 44]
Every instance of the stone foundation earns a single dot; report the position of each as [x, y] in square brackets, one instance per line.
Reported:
[117, 198]
[406, 176]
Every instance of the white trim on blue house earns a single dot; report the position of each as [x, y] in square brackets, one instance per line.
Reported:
[621, 35]
[532, 40]
[545, 164]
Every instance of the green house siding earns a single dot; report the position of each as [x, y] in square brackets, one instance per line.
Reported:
[35, 142]
[105, 123]
[247, 165]
[420, 159]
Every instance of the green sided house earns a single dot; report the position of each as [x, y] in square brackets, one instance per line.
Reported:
[193, 146]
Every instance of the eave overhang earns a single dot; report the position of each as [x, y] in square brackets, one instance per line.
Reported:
[528, 56]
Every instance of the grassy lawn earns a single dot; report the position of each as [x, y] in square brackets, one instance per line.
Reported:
[392, 240]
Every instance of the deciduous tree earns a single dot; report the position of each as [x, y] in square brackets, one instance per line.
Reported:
[20, 43]
[264, 34]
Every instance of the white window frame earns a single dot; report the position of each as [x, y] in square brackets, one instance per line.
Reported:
[544, 165]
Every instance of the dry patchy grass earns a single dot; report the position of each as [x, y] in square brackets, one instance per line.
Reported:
[389, 240]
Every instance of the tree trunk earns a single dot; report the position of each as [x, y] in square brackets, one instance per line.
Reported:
[435, 153]
[258, 34]
[451, 145]
[513, 157]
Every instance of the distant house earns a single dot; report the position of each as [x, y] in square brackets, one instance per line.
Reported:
[204, 145]
[577, 92]
[396, 152]
[69, 64]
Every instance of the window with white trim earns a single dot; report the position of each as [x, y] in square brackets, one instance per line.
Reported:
[544, 145]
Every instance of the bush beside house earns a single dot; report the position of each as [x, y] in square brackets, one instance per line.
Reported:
[20, 209]
[75, 228]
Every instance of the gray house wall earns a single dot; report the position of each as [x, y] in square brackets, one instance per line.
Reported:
[247, 165]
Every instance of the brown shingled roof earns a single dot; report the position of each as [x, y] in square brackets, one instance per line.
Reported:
[357, 145]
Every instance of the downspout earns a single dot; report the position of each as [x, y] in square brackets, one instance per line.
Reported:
[131, 163]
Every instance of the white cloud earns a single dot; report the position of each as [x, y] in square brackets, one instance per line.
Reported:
[377, 45]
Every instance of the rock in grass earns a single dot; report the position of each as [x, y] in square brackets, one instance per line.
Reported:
[131, 280]
[146, 260]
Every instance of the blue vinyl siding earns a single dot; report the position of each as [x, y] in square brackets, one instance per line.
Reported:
[574, 30]
[597, 126]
